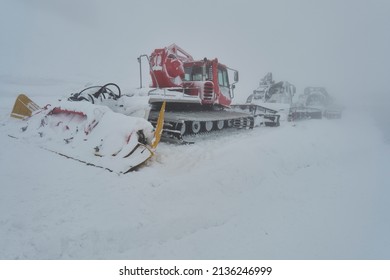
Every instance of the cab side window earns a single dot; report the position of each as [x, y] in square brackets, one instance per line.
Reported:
[223, 79]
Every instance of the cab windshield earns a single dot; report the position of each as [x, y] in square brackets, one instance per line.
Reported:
[195, 73]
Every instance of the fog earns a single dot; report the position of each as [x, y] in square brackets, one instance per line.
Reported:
[342, 45]
[321, 186]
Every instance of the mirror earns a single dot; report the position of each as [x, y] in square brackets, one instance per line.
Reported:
[236, 76]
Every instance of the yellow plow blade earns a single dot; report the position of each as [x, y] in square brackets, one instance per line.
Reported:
[159, 127]
[23, 107]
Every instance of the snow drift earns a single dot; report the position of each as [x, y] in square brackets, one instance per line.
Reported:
[314, 189]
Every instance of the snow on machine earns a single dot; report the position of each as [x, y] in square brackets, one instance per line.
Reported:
[315, 103]
[89, 132]
[276, 96]
[198, 95]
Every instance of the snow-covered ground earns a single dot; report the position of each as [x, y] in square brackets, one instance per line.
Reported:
[315, 189]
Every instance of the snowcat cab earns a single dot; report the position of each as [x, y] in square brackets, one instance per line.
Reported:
[315, 97]
[271, 92]
[281, 92]
[181, 79]
[276, 96]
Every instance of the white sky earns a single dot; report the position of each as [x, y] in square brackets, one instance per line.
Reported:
[342, 45]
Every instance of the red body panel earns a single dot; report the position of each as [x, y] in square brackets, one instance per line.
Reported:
[172, 67]
[167, 69]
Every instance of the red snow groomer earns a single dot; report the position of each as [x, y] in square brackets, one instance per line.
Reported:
[205, 82]
[198, 94]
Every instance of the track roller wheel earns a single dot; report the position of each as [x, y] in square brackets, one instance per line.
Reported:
[181, 127]
[208, 126]
[195, 127]
[220, 124]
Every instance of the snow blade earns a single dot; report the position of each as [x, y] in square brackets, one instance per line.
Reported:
[159, 127]
[90, 134]
[23, 107]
